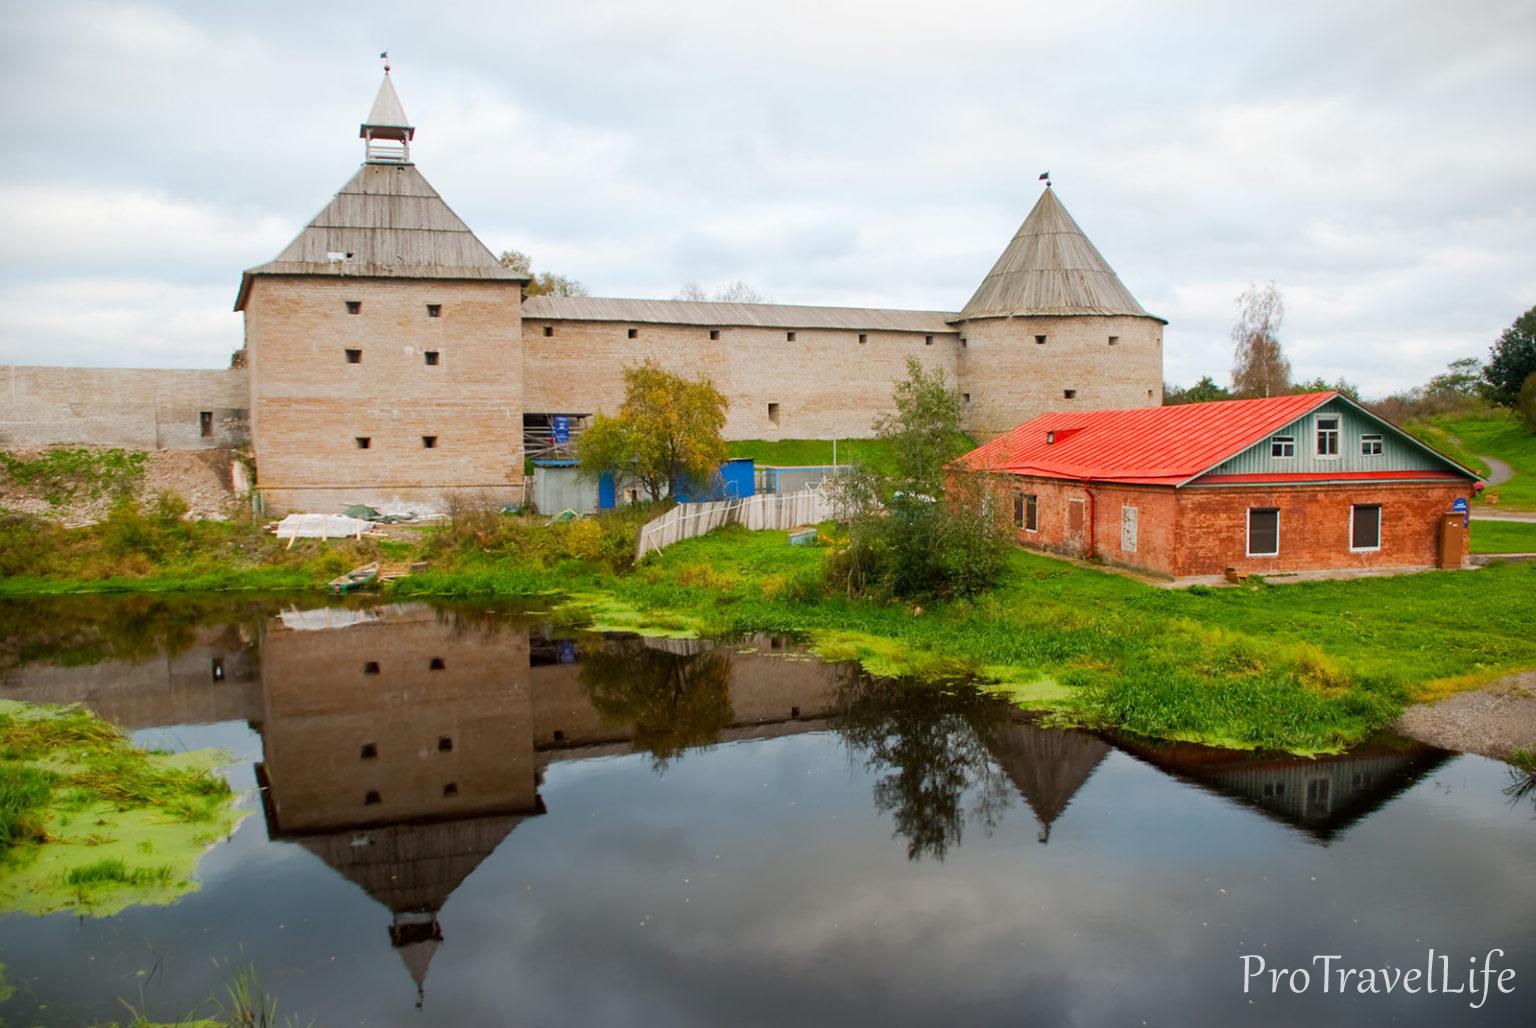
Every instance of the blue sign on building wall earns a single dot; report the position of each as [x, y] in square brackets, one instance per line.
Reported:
[562, 429]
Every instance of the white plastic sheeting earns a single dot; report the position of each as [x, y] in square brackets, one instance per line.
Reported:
[321, 526]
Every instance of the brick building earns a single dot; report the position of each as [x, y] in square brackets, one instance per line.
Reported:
[393, 359]
[1288, 483]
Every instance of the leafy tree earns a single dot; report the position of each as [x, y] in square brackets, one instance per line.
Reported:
[1526, 404]
[736, 292]
[1202, 391]
[1512, 360]
[932, 527]
[1259, 366]
[1322, 385]
[545, 283]
[667, 429]
[1461, 378]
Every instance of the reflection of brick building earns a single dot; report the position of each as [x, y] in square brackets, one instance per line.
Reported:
[392, 357]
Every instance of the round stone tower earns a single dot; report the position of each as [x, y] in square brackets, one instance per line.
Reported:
[1051, 328]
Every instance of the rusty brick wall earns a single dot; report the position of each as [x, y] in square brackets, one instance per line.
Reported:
[308, 404]
[826, 383]
[1011, 378]
[1314, 526]
[1155, 541]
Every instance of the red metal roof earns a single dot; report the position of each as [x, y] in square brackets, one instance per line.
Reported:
[1149, 445]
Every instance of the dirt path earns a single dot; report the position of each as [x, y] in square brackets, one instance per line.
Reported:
[1493, 720]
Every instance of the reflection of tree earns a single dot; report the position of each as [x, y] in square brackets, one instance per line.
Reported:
[931, 740]
[81, 630]
[1522, 782]
[675, 701]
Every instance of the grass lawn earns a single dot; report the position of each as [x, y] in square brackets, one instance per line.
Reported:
[1504, 536]
[1305, 667]
[875, 454]
[1499, 435]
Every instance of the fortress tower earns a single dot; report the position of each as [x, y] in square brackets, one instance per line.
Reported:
[1051, 328]
[384, 346]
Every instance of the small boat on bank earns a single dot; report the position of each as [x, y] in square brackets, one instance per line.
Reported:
[354, 579]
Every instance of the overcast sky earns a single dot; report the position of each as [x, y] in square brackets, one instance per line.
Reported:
[1377, 161]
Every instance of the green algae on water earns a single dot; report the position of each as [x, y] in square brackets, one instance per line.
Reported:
[113, 825]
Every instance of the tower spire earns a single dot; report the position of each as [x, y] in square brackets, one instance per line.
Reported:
[387, 133]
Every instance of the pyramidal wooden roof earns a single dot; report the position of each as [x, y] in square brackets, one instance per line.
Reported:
[387, 222]
[387, 113]
[1051, 268]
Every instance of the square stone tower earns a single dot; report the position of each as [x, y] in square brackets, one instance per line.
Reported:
[384, 347]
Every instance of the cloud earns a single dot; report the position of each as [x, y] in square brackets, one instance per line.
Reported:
[1373, 161]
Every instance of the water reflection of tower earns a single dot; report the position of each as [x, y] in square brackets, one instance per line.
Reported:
[398, 748]
[1048, 765]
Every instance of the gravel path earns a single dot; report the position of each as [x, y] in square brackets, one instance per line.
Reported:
[1492, 720]
[1498, 471]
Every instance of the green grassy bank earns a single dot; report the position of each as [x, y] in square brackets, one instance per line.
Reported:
[1497, 433]
[1503, 537]
[1304, 667]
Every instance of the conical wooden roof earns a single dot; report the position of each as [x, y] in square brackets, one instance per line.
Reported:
[387, 222]
[1050, 268]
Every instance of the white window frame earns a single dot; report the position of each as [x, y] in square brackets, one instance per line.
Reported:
[1248, 532]
[1317, 436]
[1364, 549]
[1283, 441]
[1369, 439]
[1136, 536]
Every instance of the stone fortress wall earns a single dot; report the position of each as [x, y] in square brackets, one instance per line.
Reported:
[133, 408]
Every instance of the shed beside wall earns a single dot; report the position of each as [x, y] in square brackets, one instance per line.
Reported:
[134, 408]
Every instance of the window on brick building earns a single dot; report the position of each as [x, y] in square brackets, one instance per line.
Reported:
[1263, 532]
[963, 343]
[444, 744]
[1114, 340]
[789, 336]
[354, 306]
[965, 397]
[1370, 445]
[431, 357]
[1365, 527]
[549, 330]
[927, 340]
[436, 664]
[369, 752]
[634, 333]
[205, 423]
[1282, 446]
[371, 668]
[1039, 340]
[429, 442]
[714, 333]
[354, 356]
[434, 310]
[1026, 511]
[773, 413]
[363, 441]
[372, 798]
[1069, 394]
[450, 790]
[863, 338]
[1327, 435]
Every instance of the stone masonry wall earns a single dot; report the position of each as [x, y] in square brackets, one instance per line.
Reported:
[310, 403]
[825, 382]
[1011, 378]
[132, 408]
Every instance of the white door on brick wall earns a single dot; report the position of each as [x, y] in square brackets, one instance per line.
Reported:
[1128, 529]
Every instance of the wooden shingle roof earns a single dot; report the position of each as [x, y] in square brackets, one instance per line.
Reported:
[1050, 268]
[387, 222]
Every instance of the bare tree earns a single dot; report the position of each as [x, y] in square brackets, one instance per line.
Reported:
[1259, 366]
[736, 292]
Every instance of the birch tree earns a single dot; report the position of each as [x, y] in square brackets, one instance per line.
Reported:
[1259, 366]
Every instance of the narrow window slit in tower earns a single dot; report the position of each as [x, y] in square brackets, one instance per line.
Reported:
[354, 306]
[431, 357]
[429, 442]
[434, 310]
[363, 441]
[354, 356]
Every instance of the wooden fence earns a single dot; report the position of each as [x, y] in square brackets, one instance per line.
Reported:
[687, 520]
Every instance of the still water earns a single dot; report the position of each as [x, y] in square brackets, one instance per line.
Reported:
[465, 817]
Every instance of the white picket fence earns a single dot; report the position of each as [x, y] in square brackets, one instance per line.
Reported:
[687, 520]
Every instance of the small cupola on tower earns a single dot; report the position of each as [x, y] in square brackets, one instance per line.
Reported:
[388, 132]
